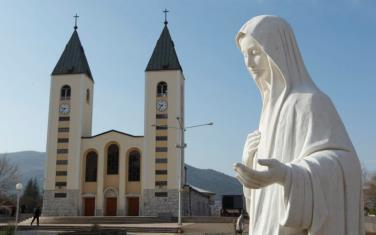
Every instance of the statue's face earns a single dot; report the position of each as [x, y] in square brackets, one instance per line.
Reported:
[254, 57]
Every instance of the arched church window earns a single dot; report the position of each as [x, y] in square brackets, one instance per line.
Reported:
[91, 167]
[113, 160]
[162, 89]
[88, 96]
[65, 93]
[134, 166]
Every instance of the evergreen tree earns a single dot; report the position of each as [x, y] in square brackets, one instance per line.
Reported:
[31, 197]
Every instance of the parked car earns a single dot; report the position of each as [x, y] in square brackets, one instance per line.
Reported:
[232, 205]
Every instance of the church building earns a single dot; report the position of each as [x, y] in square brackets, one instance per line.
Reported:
[116, 173]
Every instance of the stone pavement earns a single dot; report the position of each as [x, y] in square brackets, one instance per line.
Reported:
[147, 229]
[188, 228]
[37, 232]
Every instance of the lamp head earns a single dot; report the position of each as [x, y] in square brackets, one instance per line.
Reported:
[19, 187]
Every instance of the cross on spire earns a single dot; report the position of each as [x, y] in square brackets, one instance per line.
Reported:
[75, 21]
[165, 16]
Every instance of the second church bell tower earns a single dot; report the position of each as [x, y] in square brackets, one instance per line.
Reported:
[164, 103]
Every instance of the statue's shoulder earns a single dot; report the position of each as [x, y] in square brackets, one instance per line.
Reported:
[309, 101]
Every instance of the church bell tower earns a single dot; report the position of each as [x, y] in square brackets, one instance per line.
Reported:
[164, 103]
[70, 118]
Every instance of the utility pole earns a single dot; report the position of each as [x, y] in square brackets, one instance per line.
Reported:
[182, 145]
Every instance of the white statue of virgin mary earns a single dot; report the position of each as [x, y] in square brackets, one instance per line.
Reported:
[300, 172]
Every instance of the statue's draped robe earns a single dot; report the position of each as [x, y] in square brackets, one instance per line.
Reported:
[300, 127]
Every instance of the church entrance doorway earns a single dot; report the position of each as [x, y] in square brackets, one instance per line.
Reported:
[111, 205]
[89, 206]
[133, 206]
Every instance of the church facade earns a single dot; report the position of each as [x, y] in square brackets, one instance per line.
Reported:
[115, 173]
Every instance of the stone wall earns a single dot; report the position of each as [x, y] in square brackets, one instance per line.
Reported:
[193, 203]
[370, 224]
[160, 206]
[98, 212]
[68, 206]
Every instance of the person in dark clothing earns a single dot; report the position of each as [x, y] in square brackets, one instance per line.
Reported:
[36, 215]
[239, 226]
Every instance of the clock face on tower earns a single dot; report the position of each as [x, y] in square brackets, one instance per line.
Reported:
[161, 105]
[64, 108]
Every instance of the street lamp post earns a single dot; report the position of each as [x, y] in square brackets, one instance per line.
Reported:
[18, 188]
[182, 147]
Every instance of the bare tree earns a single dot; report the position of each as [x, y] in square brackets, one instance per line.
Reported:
[371, 186]
[9, 176]
[369, 190]
[365, 174]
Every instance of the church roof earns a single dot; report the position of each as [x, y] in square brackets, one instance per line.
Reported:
[200, 190]
[164, 55]
[73, 59]
[110, 131]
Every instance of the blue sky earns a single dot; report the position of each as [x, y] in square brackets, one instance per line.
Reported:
[336, 38]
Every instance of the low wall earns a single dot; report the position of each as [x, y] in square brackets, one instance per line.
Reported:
[370, 224]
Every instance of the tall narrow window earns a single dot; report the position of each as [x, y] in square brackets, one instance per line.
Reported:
[134, 165]
[91, 167]
[65, 93]
[162, 89]
[88, 96]
[113, 160]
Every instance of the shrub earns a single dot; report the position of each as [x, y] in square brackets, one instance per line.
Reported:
[9, 230]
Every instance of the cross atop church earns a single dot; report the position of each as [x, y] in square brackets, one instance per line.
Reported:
[75, 21]
[165, 16]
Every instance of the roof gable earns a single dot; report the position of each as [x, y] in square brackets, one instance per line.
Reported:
[112, 131]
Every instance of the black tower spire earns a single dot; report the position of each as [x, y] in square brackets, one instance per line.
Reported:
[164, 56]
[73, 59]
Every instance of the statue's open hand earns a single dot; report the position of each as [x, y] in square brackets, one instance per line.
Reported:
[252, 142]
[276, 173]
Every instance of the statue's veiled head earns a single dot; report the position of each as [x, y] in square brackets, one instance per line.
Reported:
[270, 52]
[255, 58]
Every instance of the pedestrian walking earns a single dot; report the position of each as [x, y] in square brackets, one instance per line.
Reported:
[36, 215]
[239, 226]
